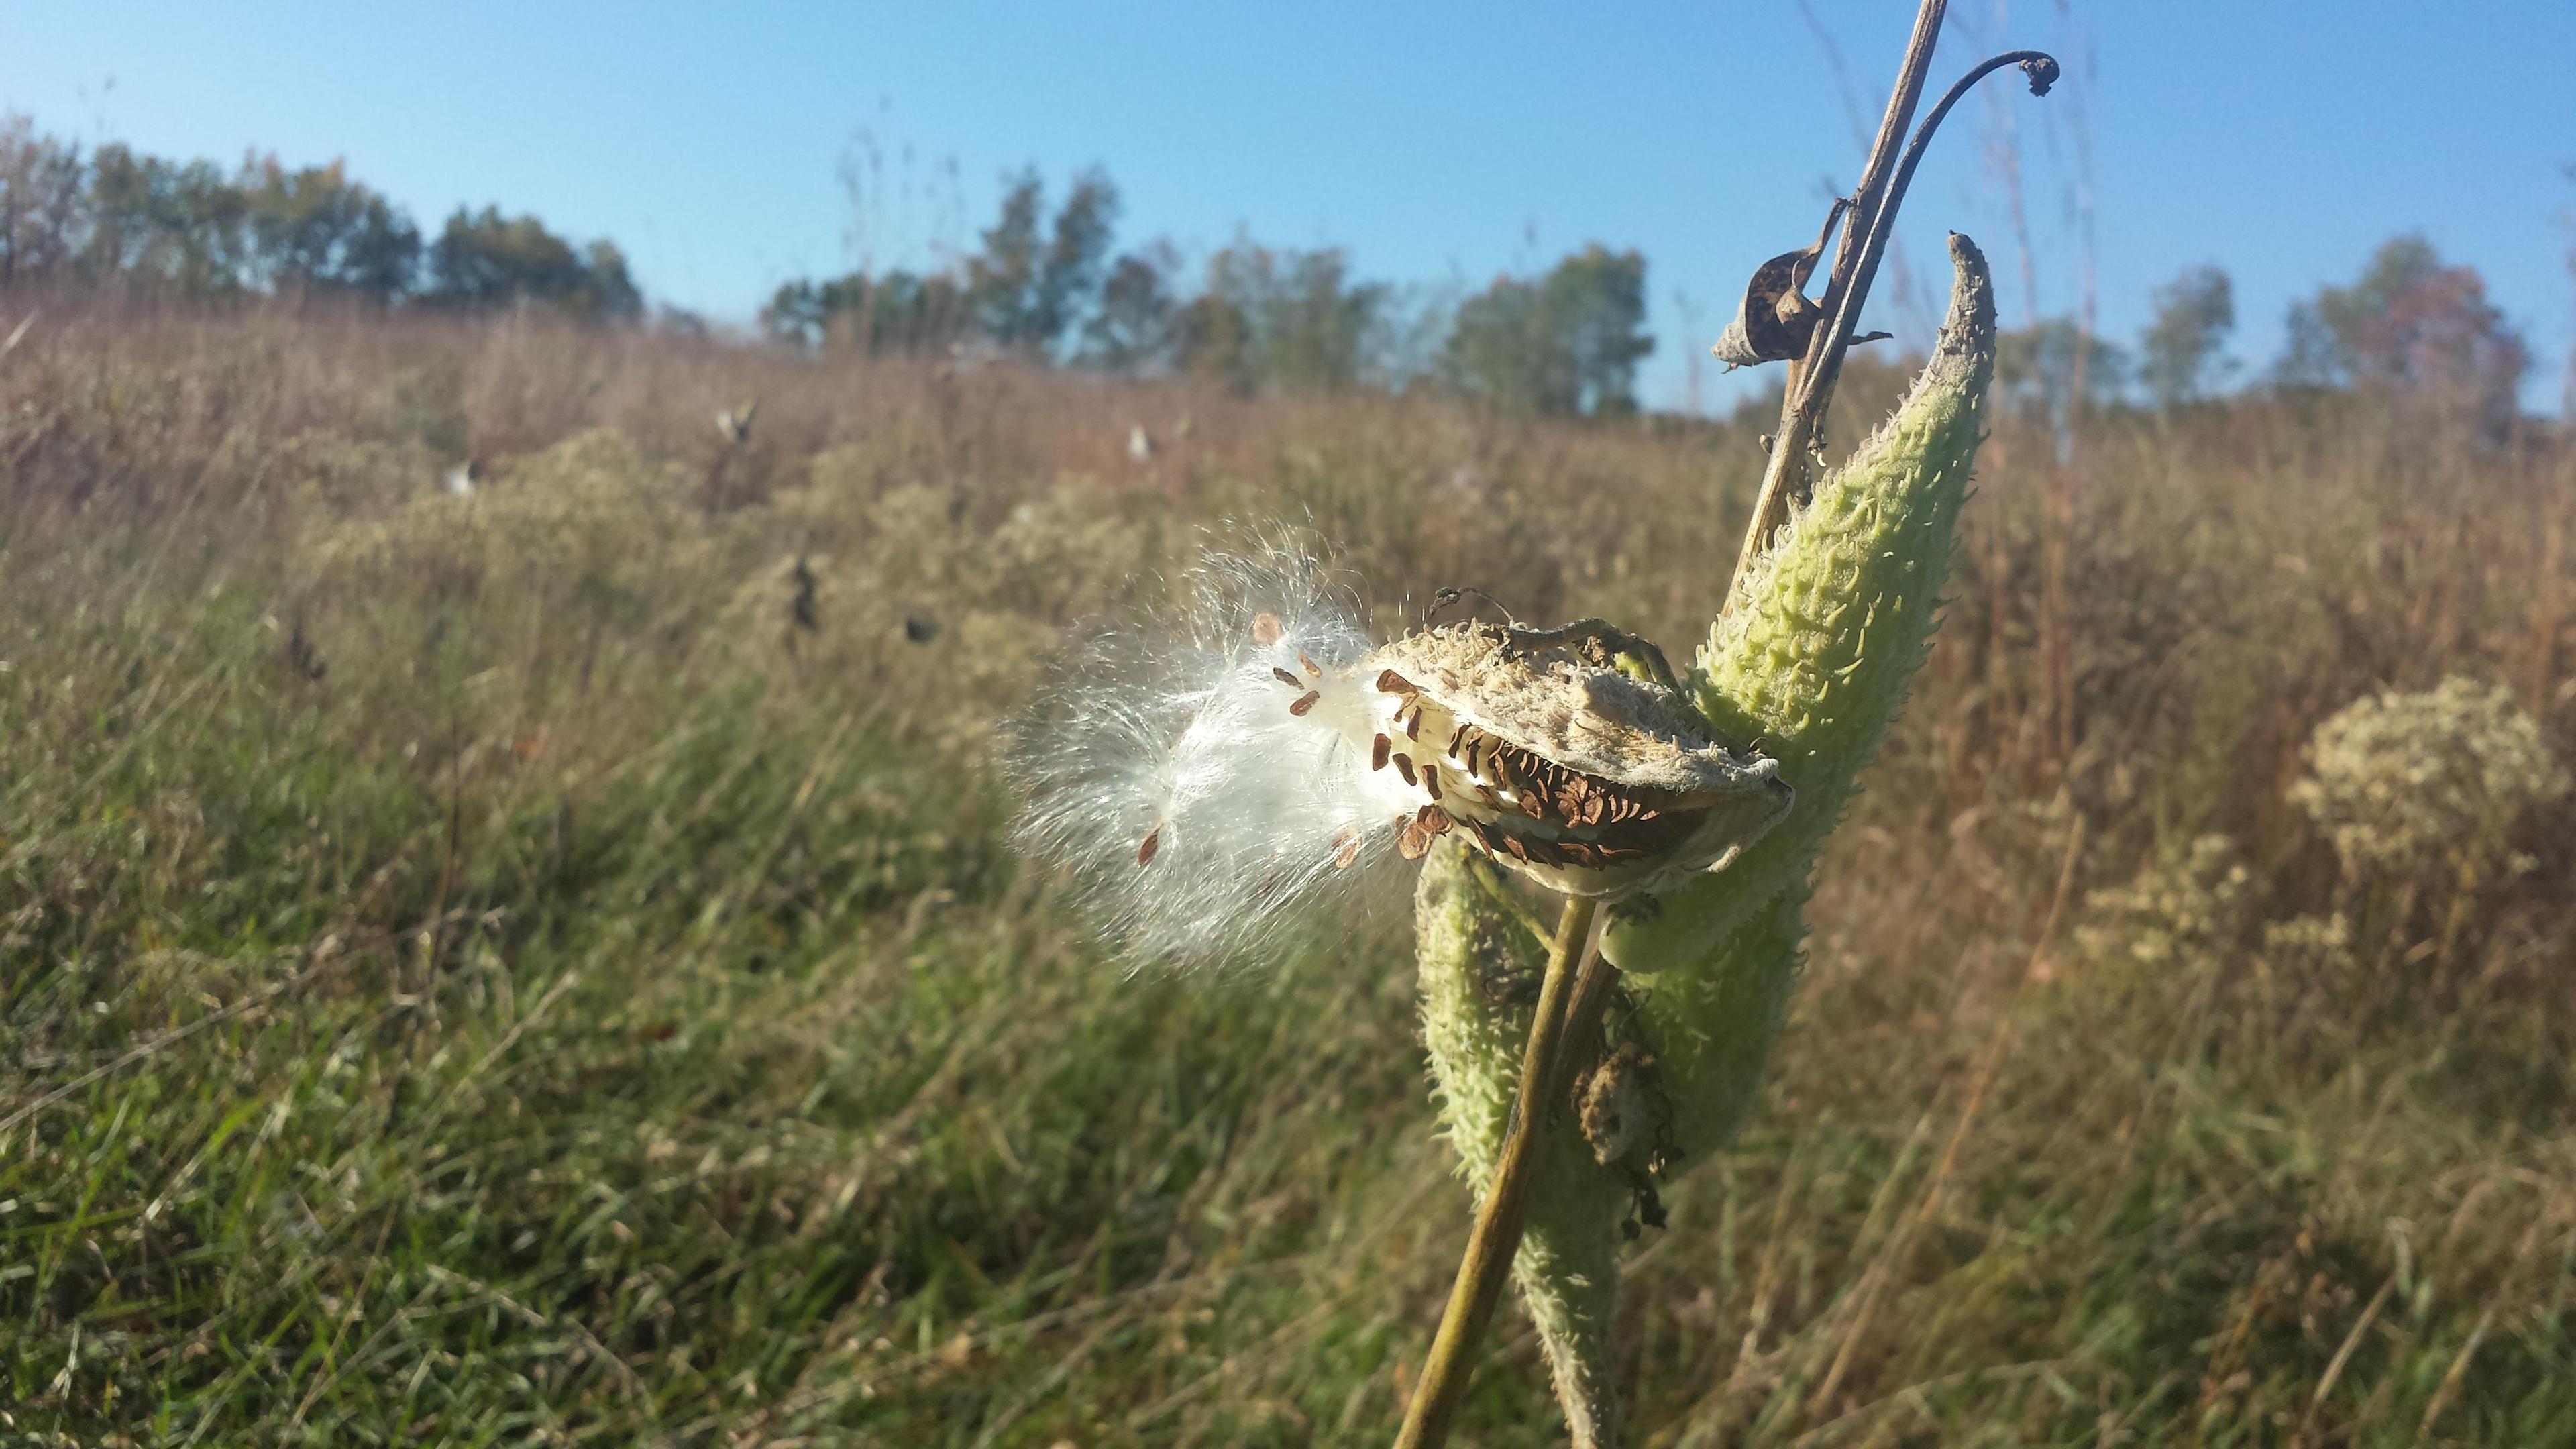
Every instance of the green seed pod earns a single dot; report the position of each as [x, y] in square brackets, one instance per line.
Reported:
[1812, 661]
[1823, 636]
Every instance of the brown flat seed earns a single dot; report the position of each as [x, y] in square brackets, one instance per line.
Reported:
[1284, 677]
[1390, 682]
[1305, 702]
[1311, 666]
[1346, 847]
[1412, 842]
[1413, 724]
[1266, 629]
[1404, 767]
[1377, 752]
[1153, 842]
[1457, 737]
[1432, 819]
[1431, 779]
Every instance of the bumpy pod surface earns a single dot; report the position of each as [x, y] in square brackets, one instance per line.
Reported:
[1822, 637]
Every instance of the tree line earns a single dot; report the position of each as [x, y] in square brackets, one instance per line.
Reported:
[1049, 283]
[2411, 328]
[113, 217]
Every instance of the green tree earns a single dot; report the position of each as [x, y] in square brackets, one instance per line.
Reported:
[175, 226]
[2179, 355]
[315, 229]
[2036, 372]
[1567, 343]
[485, 259]
[899, 313]
[2414, 329]
[1134, 328]
[1030, 284]
[1212, 338]
[1281, 321]
[41, 207]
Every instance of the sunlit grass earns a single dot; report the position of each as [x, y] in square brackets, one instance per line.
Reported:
[479, 970]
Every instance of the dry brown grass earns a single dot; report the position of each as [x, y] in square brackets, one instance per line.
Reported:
[598, 1004]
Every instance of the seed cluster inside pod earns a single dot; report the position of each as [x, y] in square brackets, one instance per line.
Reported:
[1514, 803]
[1546, 758]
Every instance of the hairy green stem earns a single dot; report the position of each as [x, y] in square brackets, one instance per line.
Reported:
[1497, 1233]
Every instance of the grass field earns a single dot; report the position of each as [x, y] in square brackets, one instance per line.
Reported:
[546, 966]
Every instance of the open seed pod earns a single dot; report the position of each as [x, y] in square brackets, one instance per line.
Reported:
[1561, 754]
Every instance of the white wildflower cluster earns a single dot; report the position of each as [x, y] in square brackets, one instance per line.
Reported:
[2403, 784]
[2174, 913]
[2310, 947]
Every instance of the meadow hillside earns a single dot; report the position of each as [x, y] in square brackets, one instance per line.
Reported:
[540, 960]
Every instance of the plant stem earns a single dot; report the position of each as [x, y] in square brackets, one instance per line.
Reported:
[1867, 225]
[1497, 1234]
[1811, 378]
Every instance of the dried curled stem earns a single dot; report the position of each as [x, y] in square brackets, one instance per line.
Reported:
[1868, 224]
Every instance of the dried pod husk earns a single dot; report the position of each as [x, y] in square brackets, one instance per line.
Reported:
[1564, 767]
[1775, 320]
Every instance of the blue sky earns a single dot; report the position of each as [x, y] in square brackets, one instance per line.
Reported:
[1440, 143]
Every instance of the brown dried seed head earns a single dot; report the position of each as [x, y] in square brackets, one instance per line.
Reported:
[1153, 842]
[1305, 702]
[1378, 752]
[1266, 629]
[1284, 677]
[1412, 842]
[1432, 819]
[1312, 667]
[1390, 682]
[1404, 767]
